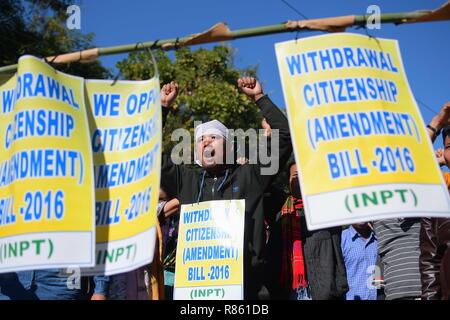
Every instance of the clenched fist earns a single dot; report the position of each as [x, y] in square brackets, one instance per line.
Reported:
[168, 94]
[251, 87]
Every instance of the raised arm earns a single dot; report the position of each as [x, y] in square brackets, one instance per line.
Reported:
[277, 122]
[168, 95]
[170, 173]
[439, 121]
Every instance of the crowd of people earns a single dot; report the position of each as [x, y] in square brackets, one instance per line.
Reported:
[404, 258]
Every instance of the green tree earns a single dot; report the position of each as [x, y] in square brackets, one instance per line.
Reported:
[208, 87]
[38, 27]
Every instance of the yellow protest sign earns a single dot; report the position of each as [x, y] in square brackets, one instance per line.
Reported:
[46, 177]
[210, 251]
[359, 139]
[125, 134]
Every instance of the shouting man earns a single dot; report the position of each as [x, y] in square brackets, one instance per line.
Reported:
[219, 180]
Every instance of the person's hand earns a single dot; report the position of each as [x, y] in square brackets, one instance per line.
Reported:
[266, 127]
[442, 118]
[440, 157]
[439, 121]
[97, 296]
[242, 161]
[251, 87]
[168, 94]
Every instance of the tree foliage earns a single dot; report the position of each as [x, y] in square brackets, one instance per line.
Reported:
[38, 27]
[208, 87]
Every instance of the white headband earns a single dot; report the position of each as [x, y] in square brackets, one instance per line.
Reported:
[210, 127]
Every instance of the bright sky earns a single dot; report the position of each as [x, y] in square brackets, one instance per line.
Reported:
[425, 47]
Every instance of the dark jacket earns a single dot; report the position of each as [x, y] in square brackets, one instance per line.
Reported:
[325, 268]
[324, 263]
[435, 258]
[236, 182]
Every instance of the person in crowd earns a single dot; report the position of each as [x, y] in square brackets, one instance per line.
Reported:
[131, 285]
[274, 199]
[378, 279]
[359, 248]
[156, 276]
[218, 180]
[399, 243]
[309, 264]
[52, 284]
[149, 282]
[168, 213]
[435, 232]
[399, 250]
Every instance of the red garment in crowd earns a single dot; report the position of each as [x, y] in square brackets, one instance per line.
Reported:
[293, 265]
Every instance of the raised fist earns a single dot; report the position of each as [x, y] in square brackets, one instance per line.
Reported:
[168, 93]
[251, 87]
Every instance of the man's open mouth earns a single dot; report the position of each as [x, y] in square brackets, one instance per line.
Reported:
[208, 153]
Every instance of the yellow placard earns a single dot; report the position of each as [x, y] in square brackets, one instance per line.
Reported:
[46, 177]
[359, 139]
[125, 135]
[210, 251]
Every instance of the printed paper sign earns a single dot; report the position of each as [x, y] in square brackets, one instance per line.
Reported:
[209, 263]
[125, 135]
[359, 139]
[46, 177]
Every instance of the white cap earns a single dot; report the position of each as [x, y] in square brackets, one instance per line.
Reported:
[210, 127]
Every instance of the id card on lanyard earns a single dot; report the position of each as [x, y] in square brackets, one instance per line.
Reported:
[210, 255]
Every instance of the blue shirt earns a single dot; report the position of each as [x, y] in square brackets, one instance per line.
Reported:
[360, 257]
[47, 284]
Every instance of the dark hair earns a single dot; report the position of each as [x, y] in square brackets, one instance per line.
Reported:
[445, 133]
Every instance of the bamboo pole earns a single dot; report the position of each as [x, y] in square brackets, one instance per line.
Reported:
[221, 33]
